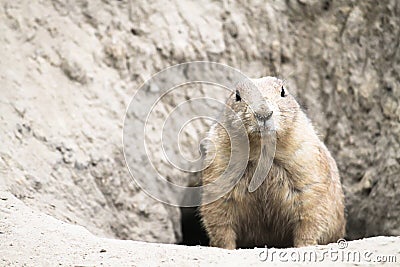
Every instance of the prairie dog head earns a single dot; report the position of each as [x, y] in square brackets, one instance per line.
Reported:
[263, 105]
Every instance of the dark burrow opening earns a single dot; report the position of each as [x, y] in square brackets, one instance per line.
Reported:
[193, 232]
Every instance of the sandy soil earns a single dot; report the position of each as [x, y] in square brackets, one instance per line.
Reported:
[31, 238]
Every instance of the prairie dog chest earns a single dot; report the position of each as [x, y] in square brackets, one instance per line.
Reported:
[276, 193]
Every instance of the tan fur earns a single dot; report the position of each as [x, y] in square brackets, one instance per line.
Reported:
[300, 202]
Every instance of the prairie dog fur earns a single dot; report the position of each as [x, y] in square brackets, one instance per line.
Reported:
[300, 202]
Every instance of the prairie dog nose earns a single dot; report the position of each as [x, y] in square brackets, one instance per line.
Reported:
[263, 115]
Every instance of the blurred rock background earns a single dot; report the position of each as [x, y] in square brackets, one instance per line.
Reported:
[68, 70]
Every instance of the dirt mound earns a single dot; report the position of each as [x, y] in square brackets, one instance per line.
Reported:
[31, 238]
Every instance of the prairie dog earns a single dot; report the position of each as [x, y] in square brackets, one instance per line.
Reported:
[300, 202]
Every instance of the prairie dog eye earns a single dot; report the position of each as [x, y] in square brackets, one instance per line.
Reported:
[283, 93]
[238, 98]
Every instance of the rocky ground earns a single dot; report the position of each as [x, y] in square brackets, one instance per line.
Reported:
[68, 70]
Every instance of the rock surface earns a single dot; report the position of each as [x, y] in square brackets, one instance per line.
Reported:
[31, 238]
[68, 70]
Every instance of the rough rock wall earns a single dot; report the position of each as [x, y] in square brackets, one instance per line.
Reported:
[69, 68]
